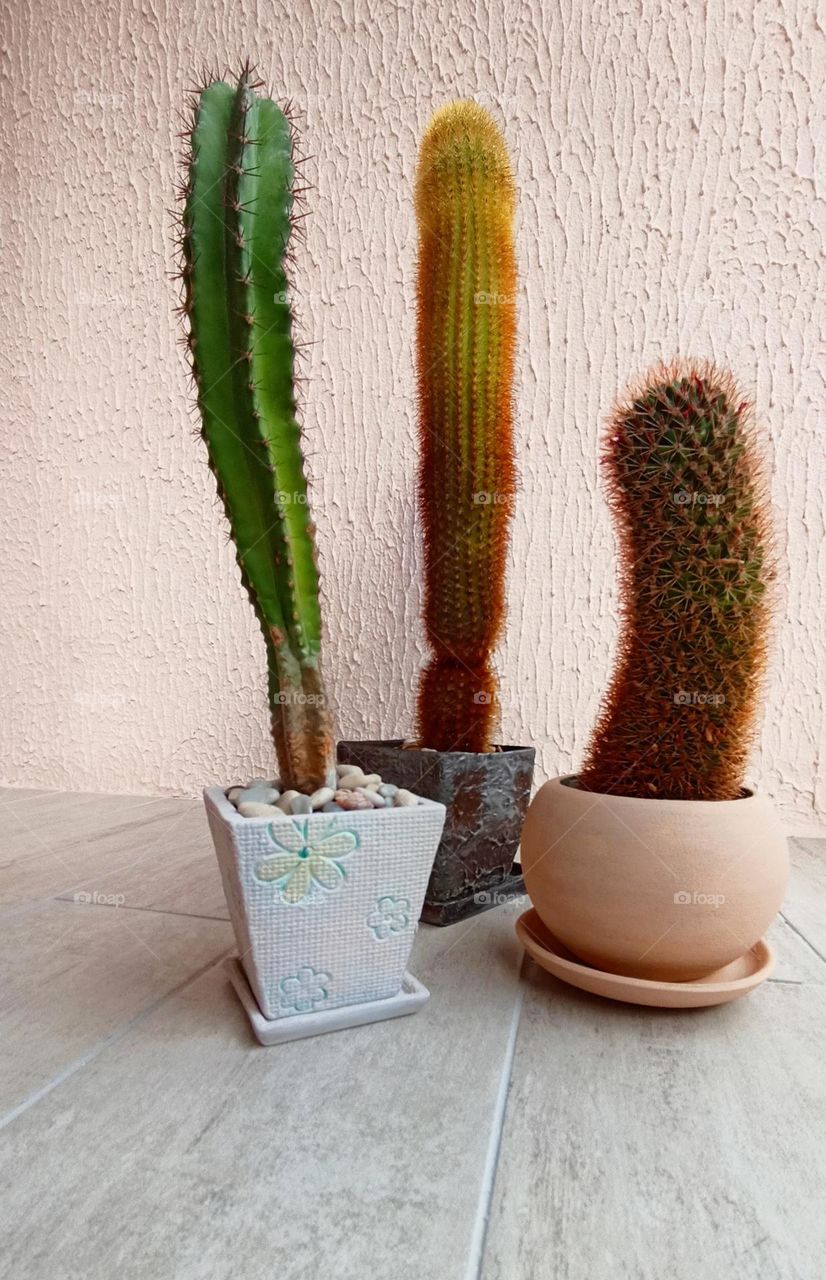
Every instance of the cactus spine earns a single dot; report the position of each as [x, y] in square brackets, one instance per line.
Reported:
[466, 332]
[685, 490]
[238, 191]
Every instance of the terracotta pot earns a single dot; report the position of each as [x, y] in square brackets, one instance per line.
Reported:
[662, 889]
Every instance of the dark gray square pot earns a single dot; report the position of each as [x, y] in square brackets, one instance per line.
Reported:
[486, 796]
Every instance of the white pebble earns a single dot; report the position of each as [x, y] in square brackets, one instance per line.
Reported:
[260, 795]
[234, 793]
[252, 809]
[286, 800]
[370, 778]
[404, 799]
[388, 790]
[343, 769]
[321, 797]
[351, 780]
[301, 804]
[377, 801]
[353, 800]
[331, 807]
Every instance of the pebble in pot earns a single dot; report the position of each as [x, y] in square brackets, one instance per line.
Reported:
[376, 801]
[354, 790]
[352, 780]
[251, 809]
[259, 794]
[404, 799]
[351, 800]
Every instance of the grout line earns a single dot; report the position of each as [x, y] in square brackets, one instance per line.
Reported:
[159, 911]
[35, 795]
[22, 908]
[479, 1235]
[802, 936]
[106, 1042]
[38, 793]
[137, 802]
[77, 845]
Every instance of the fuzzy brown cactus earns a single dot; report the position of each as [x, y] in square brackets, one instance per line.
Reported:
[685, 488]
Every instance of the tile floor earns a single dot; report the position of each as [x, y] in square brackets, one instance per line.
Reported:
[513, 1130]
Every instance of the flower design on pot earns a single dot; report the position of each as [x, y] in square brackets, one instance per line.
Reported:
[389, 916]
[302, 991]
[309, 854]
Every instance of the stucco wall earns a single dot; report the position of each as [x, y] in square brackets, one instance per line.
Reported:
[671, 169]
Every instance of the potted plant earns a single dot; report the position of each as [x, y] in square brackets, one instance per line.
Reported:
[324, 886]
[466, 335]
[656, 862]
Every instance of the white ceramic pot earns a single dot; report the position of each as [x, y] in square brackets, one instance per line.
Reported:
[324, 907]
[662, 889]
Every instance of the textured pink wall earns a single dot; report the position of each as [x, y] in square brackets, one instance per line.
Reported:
[671, 168]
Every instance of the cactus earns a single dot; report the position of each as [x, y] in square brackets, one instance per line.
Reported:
[686, 492]
[466, 332]
[239, 191]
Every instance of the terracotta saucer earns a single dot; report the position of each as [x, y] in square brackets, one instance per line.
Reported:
[729, 983]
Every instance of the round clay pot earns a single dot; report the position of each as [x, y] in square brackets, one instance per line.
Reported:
[662, 889]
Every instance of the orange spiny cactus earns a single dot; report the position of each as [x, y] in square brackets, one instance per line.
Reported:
[466, 336]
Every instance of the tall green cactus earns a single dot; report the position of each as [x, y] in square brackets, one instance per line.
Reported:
[239, 191]
[684, 483]
[465, 204]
